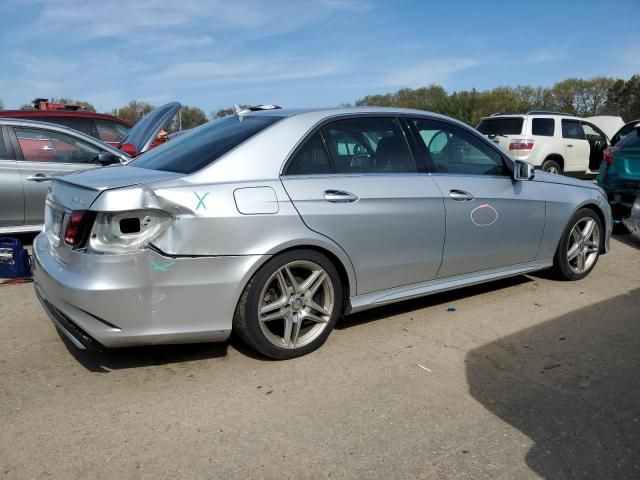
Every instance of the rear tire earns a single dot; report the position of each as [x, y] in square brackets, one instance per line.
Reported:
[580, 245]
[551, 166]
[290, 306]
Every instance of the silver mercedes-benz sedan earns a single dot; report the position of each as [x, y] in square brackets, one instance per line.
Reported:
[274, 223]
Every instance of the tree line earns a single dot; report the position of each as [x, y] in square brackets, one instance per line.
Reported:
[581, 97]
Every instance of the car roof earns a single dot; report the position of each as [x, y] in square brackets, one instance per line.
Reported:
[62, 113]
[15, 122]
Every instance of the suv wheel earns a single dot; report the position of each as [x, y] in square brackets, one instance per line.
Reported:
[551, 166]
[290, 306]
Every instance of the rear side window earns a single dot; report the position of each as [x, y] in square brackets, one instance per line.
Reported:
[110, 131]
[311, 159]
[544, 127]
[203, 145]
[631, 140]
[368, 145]
[572, 129]
[501, 126]
[3, 150]
[84, 125]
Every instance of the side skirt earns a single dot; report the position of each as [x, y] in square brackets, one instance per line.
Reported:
[398, 294]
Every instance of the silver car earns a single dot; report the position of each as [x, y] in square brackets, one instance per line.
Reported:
[33, 152]
[274, 223]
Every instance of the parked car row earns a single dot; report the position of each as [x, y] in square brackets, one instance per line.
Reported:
[33, 152]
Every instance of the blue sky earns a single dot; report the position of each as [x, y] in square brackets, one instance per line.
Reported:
[302, 53]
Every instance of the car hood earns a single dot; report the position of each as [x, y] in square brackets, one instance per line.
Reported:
[147, 128]
[546, 177]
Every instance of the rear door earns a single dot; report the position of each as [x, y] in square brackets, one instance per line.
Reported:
[356, 182]
[576, 146]
[11, 195]
[42, 154]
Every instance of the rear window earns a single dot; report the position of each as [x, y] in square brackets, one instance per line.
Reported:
[631, 140]
[544, 127]
[501, 126]
[203, 145]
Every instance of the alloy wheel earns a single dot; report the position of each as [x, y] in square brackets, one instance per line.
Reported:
[583, 245]
[296, 304]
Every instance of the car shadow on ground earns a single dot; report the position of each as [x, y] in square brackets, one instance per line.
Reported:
[447, 299]
[628, 239]
[572, 385]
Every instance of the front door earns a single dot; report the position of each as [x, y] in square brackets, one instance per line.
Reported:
[43, 154]
[492, 221]
[365, 193]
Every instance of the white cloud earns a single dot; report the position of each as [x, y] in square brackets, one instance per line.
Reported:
[547, 55]
[427, 72]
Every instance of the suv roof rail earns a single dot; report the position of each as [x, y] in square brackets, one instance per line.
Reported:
[503, 113]
[237, 110]
[549, 112]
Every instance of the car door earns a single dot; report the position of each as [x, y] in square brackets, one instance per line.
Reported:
[11, 195]
[597, 144]
[492, 221]
[576, 146]
[356, 182]
[41, 154]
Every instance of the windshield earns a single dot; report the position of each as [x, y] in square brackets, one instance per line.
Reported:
[203, 145]
[501, 126]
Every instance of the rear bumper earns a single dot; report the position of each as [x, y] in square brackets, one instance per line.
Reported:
[142, 298]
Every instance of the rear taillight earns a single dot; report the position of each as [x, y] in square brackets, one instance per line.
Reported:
[607, 155]
[519, 144]
[78, 226]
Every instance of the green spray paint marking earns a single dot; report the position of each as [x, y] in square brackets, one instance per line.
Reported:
[201, 200]
[160, 268]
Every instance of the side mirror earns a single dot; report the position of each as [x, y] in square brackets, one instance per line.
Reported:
[106, 158]
[522, 170]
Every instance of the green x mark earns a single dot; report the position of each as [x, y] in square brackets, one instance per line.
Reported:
[201, 200]
[160, 268]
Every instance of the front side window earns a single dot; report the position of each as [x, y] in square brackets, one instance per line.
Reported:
[203, 145]
[572, 129]
[592, 134]
[452, 150]
[110, 131]
[543, 127]
[45, 146]
[311, 159]
[368, 145]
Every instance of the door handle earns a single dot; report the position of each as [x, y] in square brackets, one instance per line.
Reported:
[461, 195]
[40, 177]
[338, 196]
[570, 145]
[47, 148]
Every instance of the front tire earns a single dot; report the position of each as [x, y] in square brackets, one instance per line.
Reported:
[290, 306]
[580, 245]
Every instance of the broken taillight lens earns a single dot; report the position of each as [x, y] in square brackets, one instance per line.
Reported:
[78, 225]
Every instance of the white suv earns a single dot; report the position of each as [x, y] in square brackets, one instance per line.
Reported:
[552, 141]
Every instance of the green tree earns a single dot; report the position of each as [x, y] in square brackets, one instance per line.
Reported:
[188, 117]
[133, 111]
[1, 105]
[580, 97]
[624, 99]
[68, 101]
[26, 106]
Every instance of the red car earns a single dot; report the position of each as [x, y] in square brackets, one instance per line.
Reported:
[107, 128]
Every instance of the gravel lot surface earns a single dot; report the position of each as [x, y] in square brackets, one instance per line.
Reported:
[528, 378]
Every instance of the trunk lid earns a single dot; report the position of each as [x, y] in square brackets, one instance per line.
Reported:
[143, 133]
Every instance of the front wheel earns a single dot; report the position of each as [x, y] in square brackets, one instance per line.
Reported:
[290, 306]
[579, 246]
